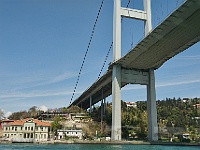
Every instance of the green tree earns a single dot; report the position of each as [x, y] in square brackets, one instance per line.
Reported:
[19, 115]
[93, 129]
[33, 111]
[55, 125]
[76, 109]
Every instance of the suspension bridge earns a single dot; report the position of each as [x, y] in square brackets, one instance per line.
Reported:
[179, 31]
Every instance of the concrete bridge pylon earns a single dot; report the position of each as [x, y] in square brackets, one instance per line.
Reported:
[117, 72]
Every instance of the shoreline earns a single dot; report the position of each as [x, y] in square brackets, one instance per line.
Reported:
[129, 142]
[109, 142]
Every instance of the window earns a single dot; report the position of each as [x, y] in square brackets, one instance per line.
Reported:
[28, 128]
[25, 128]
[41, 128]
[76, 132]
[36, 128]
[21, 128]
[12, 128]
[31, 128]
[36, 136]
[6, 128]
[44, 136]
[15, 128]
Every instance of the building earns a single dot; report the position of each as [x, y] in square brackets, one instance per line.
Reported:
[69, 133]
[27, 130]
[196, 106]
[131, 104]
[3, 123]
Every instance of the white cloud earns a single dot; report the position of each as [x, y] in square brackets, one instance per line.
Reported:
[24, 82]
[165, 84]
[43, 108]
[178, 83]
[31, 94]
[7, 114]
[184, 61]
[62, 77]
[194, 57]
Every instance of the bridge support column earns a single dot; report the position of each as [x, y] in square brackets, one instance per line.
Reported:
[104, 106]
[116, 103]
[101, 116]
[148, 24]
[151, 108]
[116, 73]
[90, 104]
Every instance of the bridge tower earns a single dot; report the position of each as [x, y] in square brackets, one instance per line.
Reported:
[117, 72]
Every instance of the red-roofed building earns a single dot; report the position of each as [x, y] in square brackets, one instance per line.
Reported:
[27, 130]
[4, 122]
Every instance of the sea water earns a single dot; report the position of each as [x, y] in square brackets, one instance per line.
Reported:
[92, 147]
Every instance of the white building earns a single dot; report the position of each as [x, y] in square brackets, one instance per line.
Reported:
[27, 130]
[131, 104]
[69, 133]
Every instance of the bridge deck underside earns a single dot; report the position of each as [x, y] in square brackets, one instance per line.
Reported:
[174, 35]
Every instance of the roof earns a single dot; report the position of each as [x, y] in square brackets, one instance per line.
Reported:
[36, 121]
[6, 121]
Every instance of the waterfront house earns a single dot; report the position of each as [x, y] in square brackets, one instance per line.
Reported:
[69, 133]
[27, 130]
[3, 123]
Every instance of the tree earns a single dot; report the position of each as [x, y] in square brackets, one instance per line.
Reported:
[33, 111]
[64, 110]
[93, 129]
[75, 109]
[1, 113]
[55, 125]
[19, 115]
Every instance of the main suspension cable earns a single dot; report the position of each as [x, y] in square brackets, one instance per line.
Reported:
[128, 3]
[91, 37]
[105, 59]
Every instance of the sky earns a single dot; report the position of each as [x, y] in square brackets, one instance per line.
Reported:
[43, 42]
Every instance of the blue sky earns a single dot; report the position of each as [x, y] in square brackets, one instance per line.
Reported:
[42, 44]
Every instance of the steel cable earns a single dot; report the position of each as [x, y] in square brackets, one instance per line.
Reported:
[91, 37]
